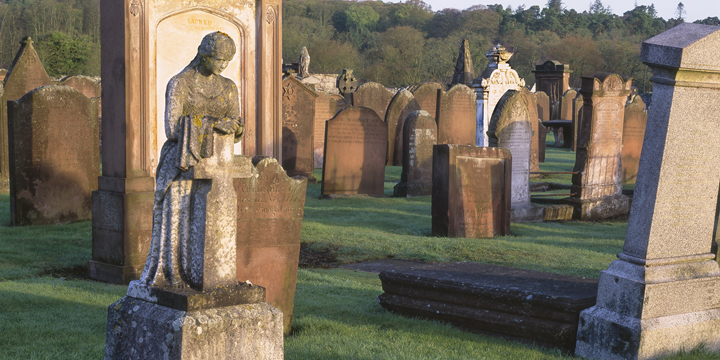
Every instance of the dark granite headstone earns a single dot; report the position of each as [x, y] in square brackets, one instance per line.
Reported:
[374, 96]
[54, 156]
[298, 144]
[457, 116]
[632, 140]
[419, 136]
[597, 186]
[401, 105]
[355, 153]
[269, 219]
[526, 304]
[325, 107]
[471, 191]
[25, 73]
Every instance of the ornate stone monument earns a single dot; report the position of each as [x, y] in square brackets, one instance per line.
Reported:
[491, 85]
[419, 134]
[25, 73]
[661, 296]
[144, 44]
[598, 160]
[553, 78]
[511, 128]
[304, 63]
[347, 84]
[191, 270]
[464, 71]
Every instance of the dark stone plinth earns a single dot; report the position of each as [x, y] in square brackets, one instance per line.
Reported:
[598, 209]
[513, 302]
[191, 300]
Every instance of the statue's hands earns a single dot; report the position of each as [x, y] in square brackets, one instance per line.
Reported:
[225, 126]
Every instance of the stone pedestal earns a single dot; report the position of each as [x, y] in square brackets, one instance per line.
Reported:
[553, 78]
[138, 329]
[661, 296]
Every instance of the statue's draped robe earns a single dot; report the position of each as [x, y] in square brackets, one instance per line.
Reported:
[191, 112]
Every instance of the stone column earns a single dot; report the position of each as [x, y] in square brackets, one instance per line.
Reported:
[663, 293]
[269, 80]
[597, 187]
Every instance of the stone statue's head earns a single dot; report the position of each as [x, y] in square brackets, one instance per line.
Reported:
[214, 53]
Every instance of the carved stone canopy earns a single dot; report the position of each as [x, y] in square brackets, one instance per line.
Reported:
[498, 57]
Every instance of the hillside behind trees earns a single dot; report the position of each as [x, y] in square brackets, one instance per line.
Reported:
[401, 44]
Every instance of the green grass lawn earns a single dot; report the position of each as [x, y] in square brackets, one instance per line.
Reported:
[47, 311]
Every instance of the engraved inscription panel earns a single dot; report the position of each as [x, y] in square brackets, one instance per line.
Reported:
[517, 136]
[417, 168]
[603, 167]
[178, 38]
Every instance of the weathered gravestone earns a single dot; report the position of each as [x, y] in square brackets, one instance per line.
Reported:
[419, 134]
[598, 160]
[566, 104]
[355, 152]
[54, 156]
[325, 107]
[269, 219]
[84, 84]
[457, 116]
[531, 103]
[553, 78]
[661, 296]
[633, 134]
[298, 149]
[25, 73]
[542, 139]
[374, 96]
[471, 191]
[491, 85]
[543, 105]
[464, 71]
[401, 106]
[577, 117]
[144, 44]
[510, 128]
[427, 97]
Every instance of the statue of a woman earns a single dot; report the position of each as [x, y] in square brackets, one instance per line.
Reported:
[199, 102]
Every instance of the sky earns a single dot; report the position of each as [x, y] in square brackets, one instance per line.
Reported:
[695, 9]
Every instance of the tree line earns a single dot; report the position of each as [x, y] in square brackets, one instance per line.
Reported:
[402, 44]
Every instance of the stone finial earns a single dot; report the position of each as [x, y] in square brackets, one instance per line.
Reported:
[304, 63]
[464, 73]
[498, 57]
[27, 41]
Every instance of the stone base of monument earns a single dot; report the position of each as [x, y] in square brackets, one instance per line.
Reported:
[231, 322]
[531, 305]
[598, 209]
[527, 212]
[558, 212]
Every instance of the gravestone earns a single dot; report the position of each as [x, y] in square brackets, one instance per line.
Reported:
[298, 155]
[597, 186]
[84, 84]
[269, 219]
[340, 102]
[531, 103]
[471, 191]
[355, 153]
[553, 78]
[511, 128]
[457, 116]
[419, 134]
[491, 85]
[464, 71]
[54, 156]
[374, 96]
[542, 141]
[325, 107]
[347, 83]
[427, 97]
[543, 105]
[577, 117]
[660, 296]
[144, 44]
[566, 104]
[401, 106]
[25, 73]
[632, 140]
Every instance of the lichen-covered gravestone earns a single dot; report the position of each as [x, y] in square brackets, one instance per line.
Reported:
[471, 191]
[660, 296]
[25, 73]
[54, 156]
[269, 219]
[426, 95]
[419, 134]
[598, 160]
[457, 116]
[325, 108]
[355, 151]
[633, 134]
[511, 128]
[401, 106]
[374, 96]
[298, 144]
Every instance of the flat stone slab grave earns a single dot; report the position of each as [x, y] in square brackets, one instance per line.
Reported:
[525, 304]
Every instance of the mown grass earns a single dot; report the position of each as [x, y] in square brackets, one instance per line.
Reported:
[336, 313]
